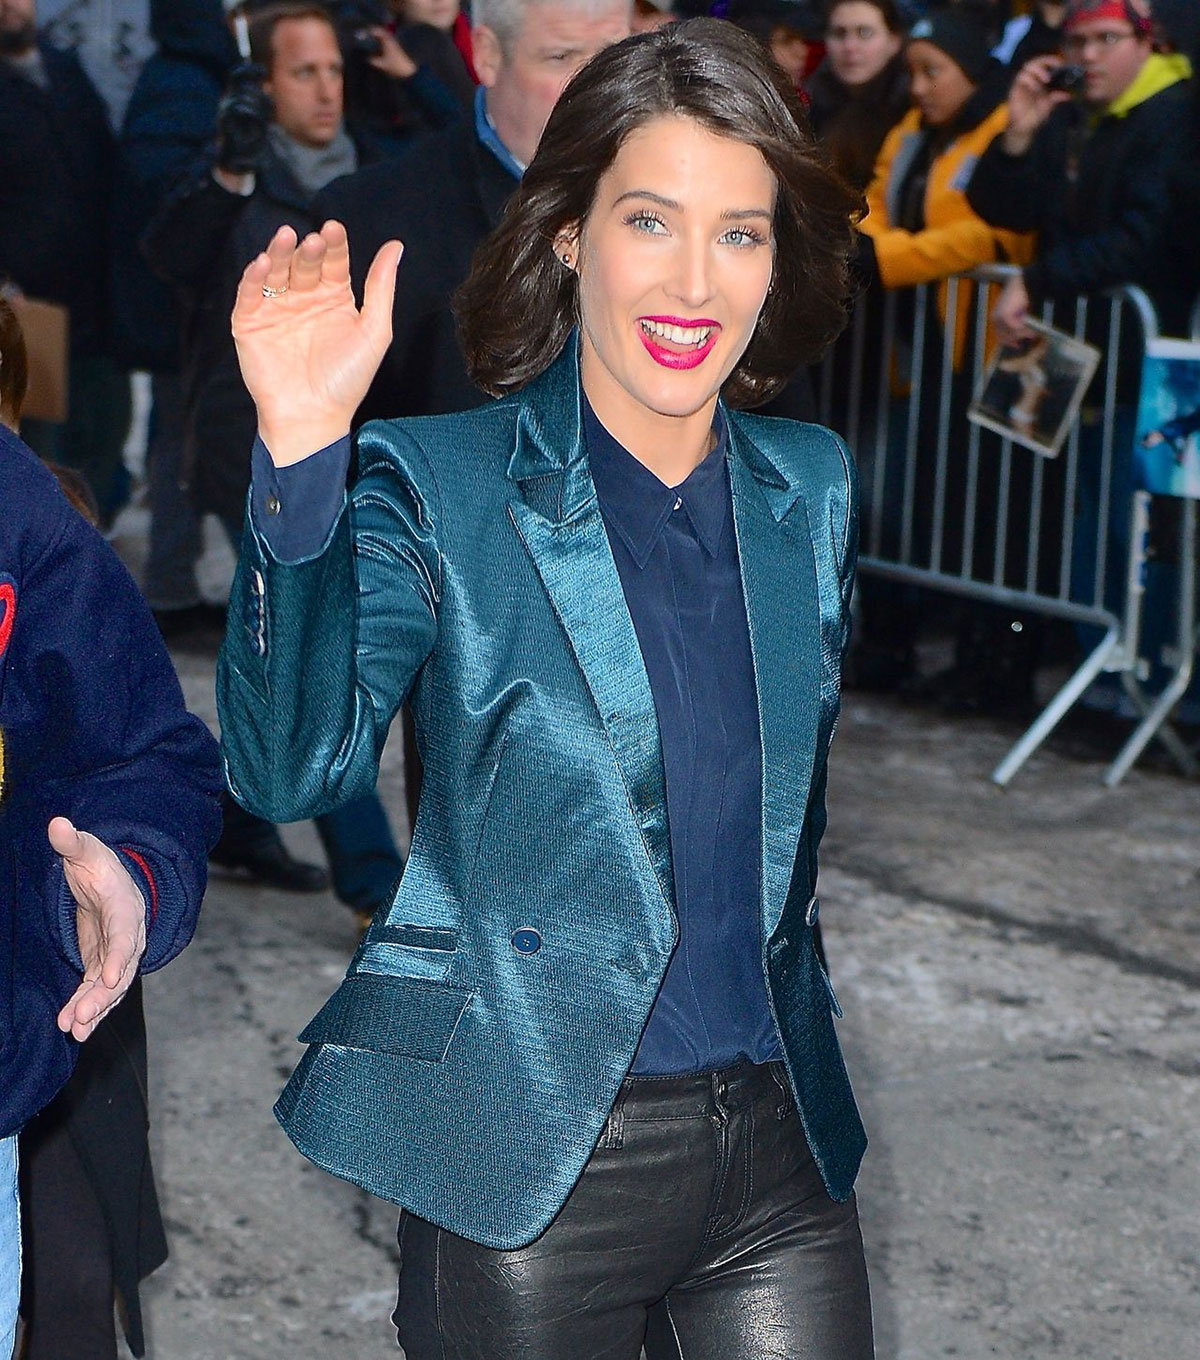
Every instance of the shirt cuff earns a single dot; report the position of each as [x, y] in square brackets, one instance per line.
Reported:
[294, 508]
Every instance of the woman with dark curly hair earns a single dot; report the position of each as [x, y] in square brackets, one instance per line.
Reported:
[589, 1047]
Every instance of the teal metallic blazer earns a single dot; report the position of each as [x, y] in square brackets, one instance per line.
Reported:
[467, 1064]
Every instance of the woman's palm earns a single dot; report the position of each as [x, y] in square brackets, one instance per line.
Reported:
[307, 353]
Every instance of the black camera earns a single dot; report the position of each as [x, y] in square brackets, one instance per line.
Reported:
[1069, 79]
[243, 116]
[363, 41]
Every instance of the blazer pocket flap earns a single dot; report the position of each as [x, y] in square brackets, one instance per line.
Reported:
[406, 1016]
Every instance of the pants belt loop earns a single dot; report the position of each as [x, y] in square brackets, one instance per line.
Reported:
[779, 1075]
[613, 1133]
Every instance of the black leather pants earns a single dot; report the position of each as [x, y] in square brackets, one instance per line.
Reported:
[700, 1229]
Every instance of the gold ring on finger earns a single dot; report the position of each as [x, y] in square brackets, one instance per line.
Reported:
[269, 292]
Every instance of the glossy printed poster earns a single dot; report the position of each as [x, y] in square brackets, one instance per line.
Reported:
[1167, 449]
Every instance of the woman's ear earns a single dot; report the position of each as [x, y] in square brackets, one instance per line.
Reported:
[566, 246]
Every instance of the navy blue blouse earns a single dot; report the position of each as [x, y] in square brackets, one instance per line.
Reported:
[676, 554]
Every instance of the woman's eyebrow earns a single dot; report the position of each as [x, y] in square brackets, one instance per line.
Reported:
[652, 196]
[730, 214]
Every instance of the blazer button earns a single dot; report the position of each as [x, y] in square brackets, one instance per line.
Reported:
[812, 912]
[526, 940]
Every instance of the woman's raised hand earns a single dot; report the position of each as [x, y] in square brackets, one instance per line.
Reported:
[306, 351]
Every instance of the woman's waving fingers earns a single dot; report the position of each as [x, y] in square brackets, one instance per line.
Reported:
[308, 264]
[335, 268]
[379, 293]
[264, 279]
[281, 252]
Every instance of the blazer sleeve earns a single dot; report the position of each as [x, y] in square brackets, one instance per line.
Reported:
[320, 653]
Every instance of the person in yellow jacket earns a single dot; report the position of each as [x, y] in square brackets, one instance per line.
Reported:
[920, 227]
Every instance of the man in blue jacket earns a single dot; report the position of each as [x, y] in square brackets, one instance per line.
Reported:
[108, 803]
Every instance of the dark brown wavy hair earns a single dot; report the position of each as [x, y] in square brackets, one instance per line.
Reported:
[518, 306]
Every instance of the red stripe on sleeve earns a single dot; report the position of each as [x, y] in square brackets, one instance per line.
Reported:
[145, 868]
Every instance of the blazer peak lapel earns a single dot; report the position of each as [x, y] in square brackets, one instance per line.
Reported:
[779, 580]
[558, 519]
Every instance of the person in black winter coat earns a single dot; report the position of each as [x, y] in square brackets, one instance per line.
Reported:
[1093, 175]
[56, 167]
[214, 224]
[209, 229]
[168, 127]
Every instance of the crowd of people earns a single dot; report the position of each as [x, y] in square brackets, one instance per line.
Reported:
[1058, 136]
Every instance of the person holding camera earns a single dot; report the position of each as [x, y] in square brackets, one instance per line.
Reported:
[281, 137]
[404, 73]
[1089, 168]
[1090, 159]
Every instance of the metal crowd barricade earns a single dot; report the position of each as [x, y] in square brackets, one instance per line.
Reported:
[956, 509]
[1181, 656]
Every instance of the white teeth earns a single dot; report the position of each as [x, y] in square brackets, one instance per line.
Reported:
[681, 335]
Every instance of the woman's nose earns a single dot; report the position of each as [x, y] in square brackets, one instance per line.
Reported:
[692, 278]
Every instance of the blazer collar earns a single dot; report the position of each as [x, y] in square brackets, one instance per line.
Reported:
[792, 612]
[550, 463]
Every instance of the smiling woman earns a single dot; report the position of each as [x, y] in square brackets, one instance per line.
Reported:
[799, 208]
[589, 1047]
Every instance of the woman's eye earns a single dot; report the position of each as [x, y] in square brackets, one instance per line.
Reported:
[742, 236]
[646, 222]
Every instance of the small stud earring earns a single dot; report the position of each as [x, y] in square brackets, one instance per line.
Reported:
[566, 259]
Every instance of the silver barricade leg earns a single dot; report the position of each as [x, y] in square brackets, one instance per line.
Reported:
[1058, 707]
[942, 453]
[1154, 721]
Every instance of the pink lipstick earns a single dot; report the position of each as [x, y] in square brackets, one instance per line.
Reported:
[677, 342]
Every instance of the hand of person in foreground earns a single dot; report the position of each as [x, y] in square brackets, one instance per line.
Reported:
[110, 921]
[306, 351]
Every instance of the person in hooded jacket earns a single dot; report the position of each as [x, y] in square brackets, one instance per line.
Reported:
[1101, 176]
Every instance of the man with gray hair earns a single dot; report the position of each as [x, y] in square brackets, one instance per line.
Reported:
[448, 190]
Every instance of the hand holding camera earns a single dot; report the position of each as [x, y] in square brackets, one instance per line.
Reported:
[1040, 86]
[243, 117]
[382, 51]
